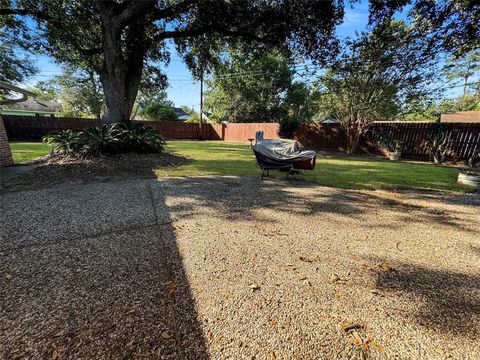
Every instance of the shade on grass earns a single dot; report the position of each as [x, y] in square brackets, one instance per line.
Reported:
[226, 158]
[236, 159]
[23, 152]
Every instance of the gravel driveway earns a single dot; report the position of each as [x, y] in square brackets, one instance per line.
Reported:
[238, 268]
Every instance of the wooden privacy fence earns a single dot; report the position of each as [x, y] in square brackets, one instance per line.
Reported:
[20, 127]
[244, 131]
[464, 138]
[321, 136]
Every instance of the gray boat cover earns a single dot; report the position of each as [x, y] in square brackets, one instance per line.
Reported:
[286, 151]
[279, 154]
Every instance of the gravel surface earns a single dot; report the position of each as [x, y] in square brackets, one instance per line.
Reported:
[238, 268]
[52, 170]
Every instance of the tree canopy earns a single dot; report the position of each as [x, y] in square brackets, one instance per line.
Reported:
[374, 76]
[157, 108]
[124, 42]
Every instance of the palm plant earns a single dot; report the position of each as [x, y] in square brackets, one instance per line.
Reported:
[94, 141]
[140, 139]
[63, 142]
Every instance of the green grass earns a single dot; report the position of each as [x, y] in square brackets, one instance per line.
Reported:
[236, 159]
[354, 172]
[24, 152]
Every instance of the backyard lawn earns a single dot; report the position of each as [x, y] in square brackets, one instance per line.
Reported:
[235, 159]
[225, 158]
[27, 151]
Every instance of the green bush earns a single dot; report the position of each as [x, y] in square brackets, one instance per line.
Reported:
[140, 139]
[106, 140]
[63, 141]
[288, 127]
[386, 140]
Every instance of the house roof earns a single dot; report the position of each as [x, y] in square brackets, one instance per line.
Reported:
[180, 112]
[461, 116]
[37, 106]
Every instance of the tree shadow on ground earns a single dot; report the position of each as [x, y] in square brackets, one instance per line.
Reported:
[121, 293]
[443, 300]
[242, 197]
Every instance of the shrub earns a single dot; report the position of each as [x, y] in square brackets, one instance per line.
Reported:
[386, 140]
[106, 140]
[288, 127]
[140, 139]
[63, 142]
[438, 143]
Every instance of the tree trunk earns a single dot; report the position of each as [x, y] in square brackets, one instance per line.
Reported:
[122, 71]
[352, 139]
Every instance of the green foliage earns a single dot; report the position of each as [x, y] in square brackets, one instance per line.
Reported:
[287, 127]
[248, 88]
[157, 108]
[63, 141]
[438, 140]
[463, 68]
[15, 67]
[386, 140]
[106, 140]
[417, 110]
[373, 77]
[124, 42]
[140, 139]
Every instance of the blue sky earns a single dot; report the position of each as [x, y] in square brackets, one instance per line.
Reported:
[183, 90]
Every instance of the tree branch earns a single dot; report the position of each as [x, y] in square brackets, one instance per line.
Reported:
[178, 34]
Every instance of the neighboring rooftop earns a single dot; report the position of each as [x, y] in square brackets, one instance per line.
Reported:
[461, 116]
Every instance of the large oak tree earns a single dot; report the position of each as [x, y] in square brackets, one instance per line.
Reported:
[125, 41]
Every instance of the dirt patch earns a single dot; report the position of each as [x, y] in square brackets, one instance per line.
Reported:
[56, 169]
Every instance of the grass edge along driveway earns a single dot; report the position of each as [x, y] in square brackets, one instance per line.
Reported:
[220, 158]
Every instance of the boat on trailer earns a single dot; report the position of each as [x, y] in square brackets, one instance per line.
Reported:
[282, 155]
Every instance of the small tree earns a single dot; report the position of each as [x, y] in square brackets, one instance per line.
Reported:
[373, 76]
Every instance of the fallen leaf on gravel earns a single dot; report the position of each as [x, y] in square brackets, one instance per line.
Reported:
[60, 333]
[348, 326]
[339, 293]
[310, 260]
[302, 277]
[272, 354]
[171, 287]
[356, 338]
[130, 343]
[54, 354]
[335, 279]
[254, 287]
[274, 322]
[165, 335]
[130, 312]
[375, 345]
[384, 267]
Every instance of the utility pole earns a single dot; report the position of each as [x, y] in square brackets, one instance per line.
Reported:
[201, 96]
